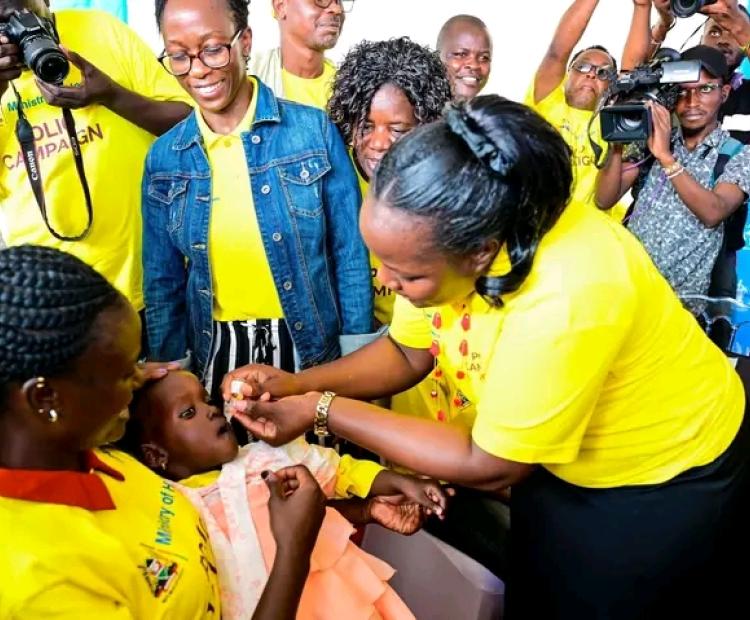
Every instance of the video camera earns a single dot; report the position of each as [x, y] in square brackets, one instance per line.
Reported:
[625, 116]
[38, 40]
[688, 8]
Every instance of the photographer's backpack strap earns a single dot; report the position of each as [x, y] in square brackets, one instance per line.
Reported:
[27, 142]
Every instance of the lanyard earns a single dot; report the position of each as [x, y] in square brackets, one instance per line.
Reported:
[25, 135]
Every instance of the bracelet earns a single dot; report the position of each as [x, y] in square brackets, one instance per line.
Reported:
[672, 168]
[676, 173]
[320, 423]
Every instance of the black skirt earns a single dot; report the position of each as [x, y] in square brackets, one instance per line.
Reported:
[673, 550]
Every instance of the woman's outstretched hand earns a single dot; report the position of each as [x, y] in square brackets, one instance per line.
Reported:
[255, 380]
[276, 422]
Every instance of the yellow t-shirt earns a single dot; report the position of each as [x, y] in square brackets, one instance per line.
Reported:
[430, 395]
[242, 282]
[592, 368]
[573, 125]
[132, 547]
[113, 149]
[314, 92]
[383, 297]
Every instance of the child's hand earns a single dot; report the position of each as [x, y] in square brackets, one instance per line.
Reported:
[396, 513]
[425, 492]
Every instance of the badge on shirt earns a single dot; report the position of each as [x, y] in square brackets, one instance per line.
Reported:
[161, 574]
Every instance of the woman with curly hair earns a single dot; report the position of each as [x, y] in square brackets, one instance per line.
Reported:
[383, 89]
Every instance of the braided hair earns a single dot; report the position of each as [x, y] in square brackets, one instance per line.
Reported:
[238, 8]
[370, 65]
[491, 170]
[49, 301]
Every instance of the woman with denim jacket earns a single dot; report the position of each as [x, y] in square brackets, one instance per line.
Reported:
[251, 245]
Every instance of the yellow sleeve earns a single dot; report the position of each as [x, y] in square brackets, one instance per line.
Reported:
[552, 105]
[134, 64]
[355, 477]
[546, 374]
[410, 326]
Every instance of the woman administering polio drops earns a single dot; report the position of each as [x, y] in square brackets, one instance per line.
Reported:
[88, 533]
[618, 423]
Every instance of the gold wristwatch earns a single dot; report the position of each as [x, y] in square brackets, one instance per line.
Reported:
[320, 424]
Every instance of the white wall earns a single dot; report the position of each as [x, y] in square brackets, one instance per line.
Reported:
[521, 29]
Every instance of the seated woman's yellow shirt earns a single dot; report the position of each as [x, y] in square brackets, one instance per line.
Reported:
[118, 542]
[592, 368]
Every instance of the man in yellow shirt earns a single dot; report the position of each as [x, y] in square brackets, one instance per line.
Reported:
[298, 69]
[119, 105]
[567, 95]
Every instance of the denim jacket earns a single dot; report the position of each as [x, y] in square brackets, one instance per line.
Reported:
[307, 203]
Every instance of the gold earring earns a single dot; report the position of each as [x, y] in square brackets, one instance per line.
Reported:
[52, 416]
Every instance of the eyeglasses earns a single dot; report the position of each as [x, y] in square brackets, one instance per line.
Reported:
[213, 56]
[703, 91]
[602, 72]
[346, 5]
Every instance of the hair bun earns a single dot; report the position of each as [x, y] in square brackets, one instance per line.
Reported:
[470, 131]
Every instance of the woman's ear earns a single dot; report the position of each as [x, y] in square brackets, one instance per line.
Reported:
[154, 456]
[40, 396]
[246, 42]
[481, 260]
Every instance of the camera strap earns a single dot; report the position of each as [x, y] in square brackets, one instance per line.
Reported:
[25, 135]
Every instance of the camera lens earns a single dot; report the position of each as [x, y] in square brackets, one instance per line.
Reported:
[52, 67]
[687, 8]
[629, 121]
[42, 55]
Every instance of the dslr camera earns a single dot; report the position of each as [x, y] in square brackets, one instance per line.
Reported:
[625, 116]
[37, 39]
[687, 8]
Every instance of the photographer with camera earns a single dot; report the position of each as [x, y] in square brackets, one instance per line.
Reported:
[727, 29]
[680, 209]
[566, 95]
[72, 179]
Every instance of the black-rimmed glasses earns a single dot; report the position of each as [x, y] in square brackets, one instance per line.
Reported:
[346, 5]
[213, 56]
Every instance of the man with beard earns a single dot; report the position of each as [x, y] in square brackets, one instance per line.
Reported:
[465, 47]
[680, 211]
[566, 93]
[298, 69]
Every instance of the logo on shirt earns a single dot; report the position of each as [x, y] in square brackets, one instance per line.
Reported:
[461, 401]
[161, 575]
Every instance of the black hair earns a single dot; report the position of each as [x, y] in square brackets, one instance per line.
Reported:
[238, 8]
[600, 48]
[49, 301]
[132, 439]
[369, 65]
[492, 170]
[460, 19]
